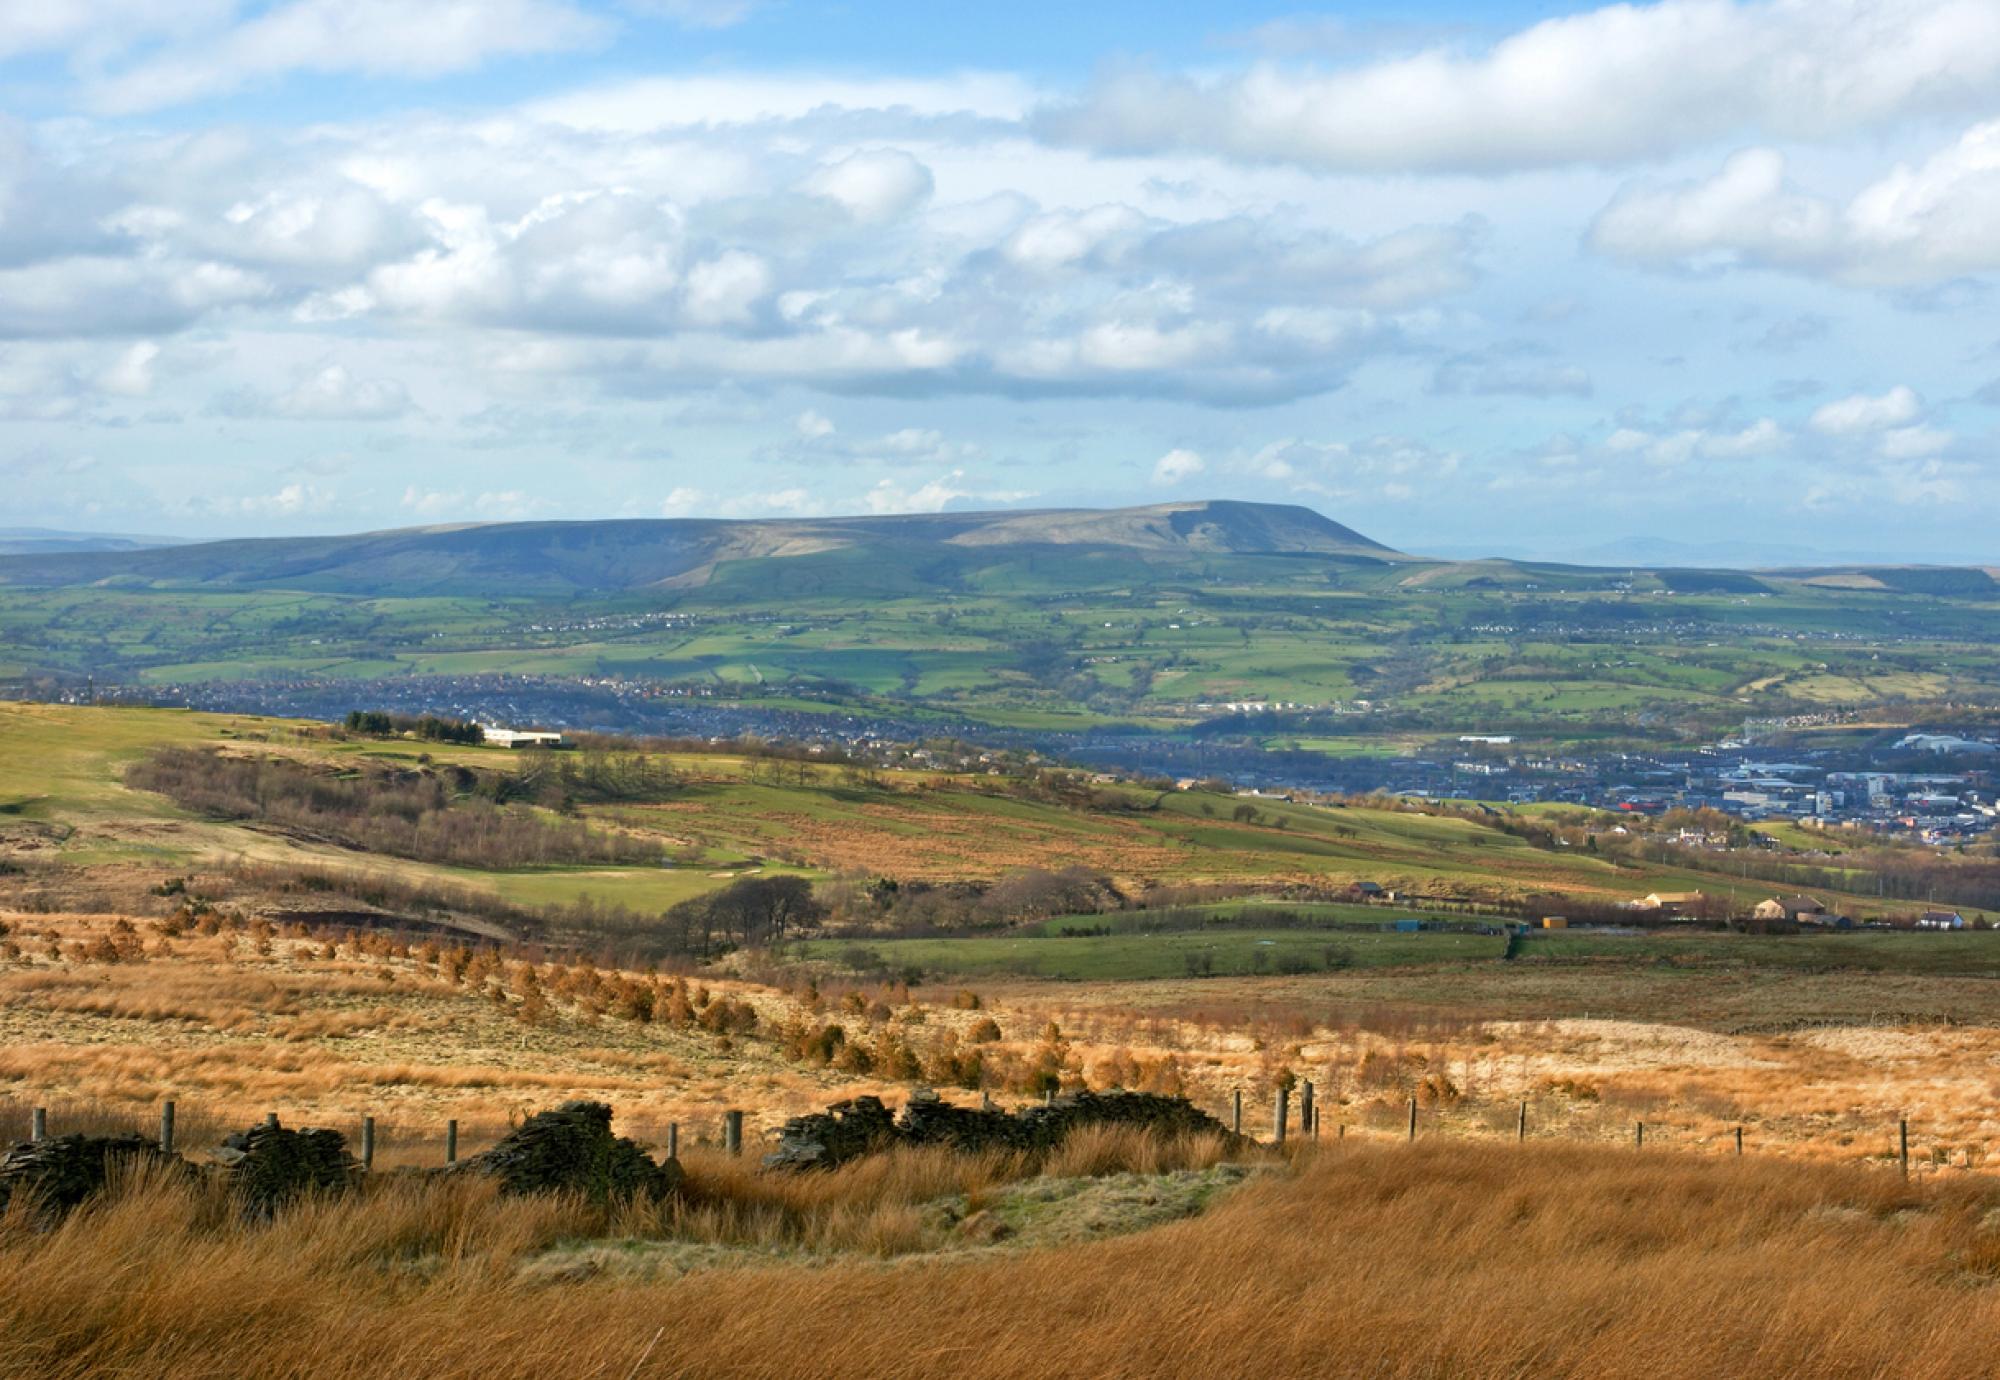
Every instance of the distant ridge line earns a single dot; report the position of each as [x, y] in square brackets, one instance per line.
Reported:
[612, 554]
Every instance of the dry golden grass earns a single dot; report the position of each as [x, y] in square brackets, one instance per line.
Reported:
[1449, 1259]
[231, 1034]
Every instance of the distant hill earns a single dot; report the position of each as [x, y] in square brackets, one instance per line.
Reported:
[1660, 553]
[36, 541]
[631, 554]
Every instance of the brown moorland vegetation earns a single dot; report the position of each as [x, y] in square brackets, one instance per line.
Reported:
[234, 1019]
[1440, 1259]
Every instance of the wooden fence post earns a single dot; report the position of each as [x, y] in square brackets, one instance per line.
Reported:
[1903, 1144]
[1739, 1141]
[1281, 1112]
[1237, 1124]
[451, 1142]
[1521, 1124]
[732, 1132]
[167, 1128]
[367, 1142]
[1639, 1135]
[271, 1121]
[38, 1124]
[673, 1140]
[1413, 1118]
[1306, 1107]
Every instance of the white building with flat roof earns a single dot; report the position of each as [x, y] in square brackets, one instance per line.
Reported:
[519, 738]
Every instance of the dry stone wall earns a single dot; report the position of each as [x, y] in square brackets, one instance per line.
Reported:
[848, 1130]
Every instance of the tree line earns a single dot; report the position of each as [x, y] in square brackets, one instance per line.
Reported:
[428, 727]
[424, 815]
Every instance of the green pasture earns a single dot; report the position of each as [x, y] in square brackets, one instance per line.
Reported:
[1330, 952]
[1111, 958]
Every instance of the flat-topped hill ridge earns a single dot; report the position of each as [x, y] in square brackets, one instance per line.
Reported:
[637, 553]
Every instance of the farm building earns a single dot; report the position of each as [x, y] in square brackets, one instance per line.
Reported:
[1671, 902]
[1940, 920]
[1793, 908]
[520, 738]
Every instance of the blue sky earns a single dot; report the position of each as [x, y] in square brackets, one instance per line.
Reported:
[1508, 277]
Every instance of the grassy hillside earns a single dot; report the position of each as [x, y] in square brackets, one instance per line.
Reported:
[64, 803]
[626, 554]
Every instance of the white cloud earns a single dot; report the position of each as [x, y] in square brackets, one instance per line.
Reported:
[657, 264]
[686, 501]
[431, 502]
[1682, 445]
[296, 499]
[503, 505]
[874, 185]
[1176, 466]
[1624, 82]
[682, 502]
[99, 295]
[131, 375]
[1862, 413]
[1762, 437]
[813, 425]
[96, 26]
[373, 37]
[335, 393]
[658, 103]
[1382, 468]
[885, 496]
[1915, 442]
[725, 290]
[890, 497]
[1923, 224]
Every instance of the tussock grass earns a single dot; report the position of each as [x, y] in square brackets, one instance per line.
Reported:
[1450, 1259]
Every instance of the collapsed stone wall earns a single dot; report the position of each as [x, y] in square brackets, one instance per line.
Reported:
[572, 1150]
[844, 1131]
[59, 1173]
[568, 1150]
[848, 1130]
[270, 1165]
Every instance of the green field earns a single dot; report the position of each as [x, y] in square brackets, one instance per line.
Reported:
[1237, 952]
[1058, 640]
[63, 800]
